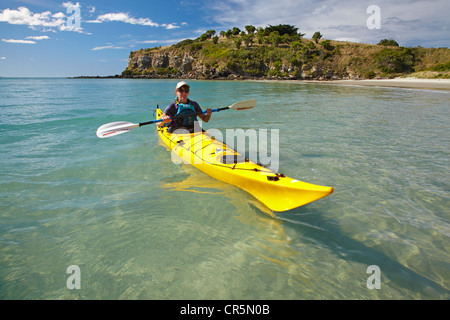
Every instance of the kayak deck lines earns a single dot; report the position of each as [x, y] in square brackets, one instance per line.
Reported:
[215, 158]
[195, 152]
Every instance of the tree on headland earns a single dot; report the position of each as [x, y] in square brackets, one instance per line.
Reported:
[248, 39]
[316, 36]
[238, 42]
[296, 45]
[274, 38]
[326, 44]
[388, 42]
[250, 29]
[260, 34]
[235, 31]
[281, 29]
[207, 35]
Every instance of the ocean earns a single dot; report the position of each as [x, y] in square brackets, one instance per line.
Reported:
[89, 218]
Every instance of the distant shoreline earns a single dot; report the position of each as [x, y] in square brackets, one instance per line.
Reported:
[410, 83]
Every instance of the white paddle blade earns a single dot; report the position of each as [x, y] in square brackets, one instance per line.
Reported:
[243, 105]
[115, 128]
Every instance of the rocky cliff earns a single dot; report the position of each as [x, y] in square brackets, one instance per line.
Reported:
[182, 62]
[170, 63]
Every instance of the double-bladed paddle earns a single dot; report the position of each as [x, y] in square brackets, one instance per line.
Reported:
[119, 127]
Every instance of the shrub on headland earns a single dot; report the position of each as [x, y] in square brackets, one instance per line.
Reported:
[441, 66]
[396, 61]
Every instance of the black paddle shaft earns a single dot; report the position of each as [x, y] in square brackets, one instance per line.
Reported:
[182, 116]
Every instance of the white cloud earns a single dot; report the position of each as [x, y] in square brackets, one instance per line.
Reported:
[69, 4]
[412, 22]
[107, 47]
[48, 30]
[169, 41]
[23, 16]
[126, 18]
[2, 58]
[44, 21]
[38, 37]
[48, 21]
[59, 15]
[123, 17]
[170, 26]
[19, 41]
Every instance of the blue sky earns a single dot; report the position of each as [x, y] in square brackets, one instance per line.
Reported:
[46, 38]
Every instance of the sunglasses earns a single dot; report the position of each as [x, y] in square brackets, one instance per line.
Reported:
[183, 90]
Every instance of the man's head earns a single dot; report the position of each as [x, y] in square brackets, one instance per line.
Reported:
[182, 86]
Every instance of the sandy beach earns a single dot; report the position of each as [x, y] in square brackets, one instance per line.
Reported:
[412, 83]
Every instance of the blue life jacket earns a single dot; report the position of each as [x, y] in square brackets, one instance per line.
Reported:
[188, 110]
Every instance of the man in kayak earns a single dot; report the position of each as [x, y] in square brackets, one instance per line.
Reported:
[183, 106]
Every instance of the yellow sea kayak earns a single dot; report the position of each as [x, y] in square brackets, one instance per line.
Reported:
[215, 158]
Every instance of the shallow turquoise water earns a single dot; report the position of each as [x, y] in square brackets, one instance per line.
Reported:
[141, 227]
